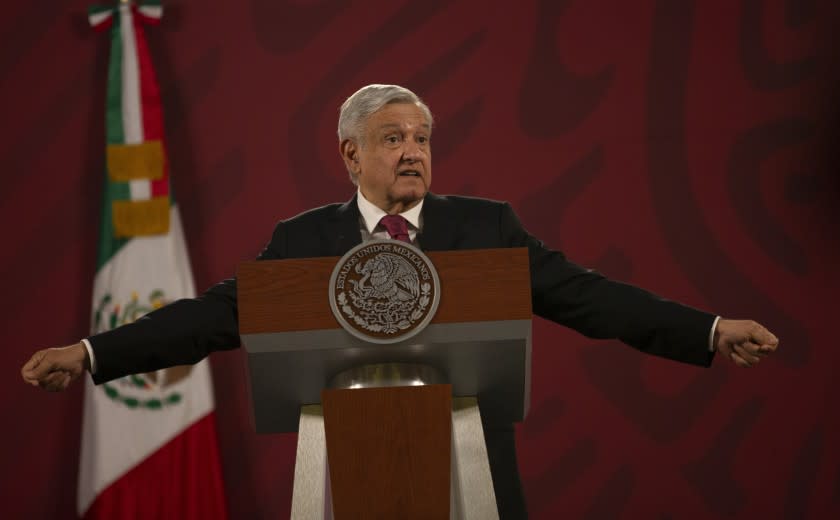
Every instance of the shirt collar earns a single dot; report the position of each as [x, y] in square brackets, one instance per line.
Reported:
[372, 214]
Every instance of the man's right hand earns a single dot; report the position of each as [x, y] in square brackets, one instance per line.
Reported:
[53, 369]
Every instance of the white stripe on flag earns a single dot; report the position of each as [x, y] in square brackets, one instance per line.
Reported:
[140, 189]
[132, 119]
[97, 18]
[152, 11]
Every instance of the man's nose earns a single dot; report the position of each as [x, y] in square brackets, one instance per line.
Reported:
[412, 152]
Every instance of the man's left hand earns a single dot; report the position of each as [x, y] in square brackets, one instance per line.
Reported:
[745, 342]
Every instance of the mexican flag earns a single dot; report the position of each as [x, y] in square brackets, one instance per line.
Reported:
[149, 447]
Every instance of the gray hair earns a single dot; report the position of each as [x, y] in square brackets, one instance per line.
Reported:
[370, 99]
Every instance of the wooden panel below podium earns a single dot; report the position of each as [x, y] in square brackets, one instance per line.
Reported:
[389, 451]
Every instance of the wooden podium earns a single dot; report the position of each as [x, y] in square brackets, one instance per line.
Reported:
[401, 421]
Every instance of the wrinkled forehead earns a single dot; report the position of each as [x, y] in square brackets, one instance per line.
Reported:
[399, 115]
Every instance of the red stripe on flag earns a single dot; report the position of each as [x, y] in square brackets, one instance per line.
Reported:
[149, 20]
[104, 25]
[149, 92]
[150, 107]
[160, 186]
[183, 479]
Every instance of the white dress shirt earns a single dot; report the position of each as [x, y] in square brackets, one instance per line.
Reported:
[371, 214]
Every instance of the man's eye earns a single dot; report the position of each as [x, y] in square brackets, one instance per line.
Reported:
[392, 139]
[422, 139]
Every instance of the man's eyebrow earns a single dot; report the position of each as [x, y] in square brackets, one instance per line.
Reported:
[388, 126]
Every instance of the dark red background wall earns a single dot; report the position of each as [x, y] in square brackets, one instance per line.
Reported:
[688, 147]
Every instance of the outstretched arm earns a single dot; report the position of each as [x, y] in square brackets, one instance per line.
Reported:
[601, 308]
[183, 332]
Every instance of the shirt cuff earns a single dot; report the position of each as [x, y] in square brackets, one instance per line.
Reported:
[93, 359]
[712, 334]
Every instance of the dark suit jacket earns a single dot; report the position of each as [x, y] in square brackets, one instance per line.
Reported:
[188, 330]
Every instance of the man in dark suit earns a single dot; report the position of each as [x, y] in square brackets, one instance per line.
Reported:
[384, 141]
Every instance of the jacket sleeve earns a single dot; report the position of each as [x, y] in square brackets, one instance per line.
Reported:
[598, 307]
[181, 333]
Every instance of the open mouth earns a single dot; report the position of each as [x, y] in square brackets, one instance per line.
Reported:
[409, 173]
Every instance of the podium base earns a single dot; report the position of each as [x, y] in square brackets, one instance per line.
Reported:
[471, 494]
[311, 495]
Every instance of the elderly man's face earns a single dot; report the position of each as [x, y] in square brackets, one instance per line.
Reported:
[394, 163]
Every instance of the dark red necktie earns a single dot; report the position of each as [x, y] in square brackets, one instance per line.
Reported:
[397, 227]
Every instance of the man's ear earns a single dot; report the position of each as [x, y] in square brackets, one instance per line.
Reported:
[349, 151]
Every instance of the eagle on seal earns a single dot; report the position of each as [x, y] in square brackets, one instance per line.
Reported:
[390, 276]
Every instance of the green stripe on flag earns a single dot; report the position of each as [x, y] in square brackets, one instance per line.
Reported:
[99, 9]
[108, 243]
[114, 133]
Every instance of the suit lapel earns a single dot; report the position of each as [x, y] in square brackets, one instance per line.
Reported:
[342, 231]
[440, 225]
